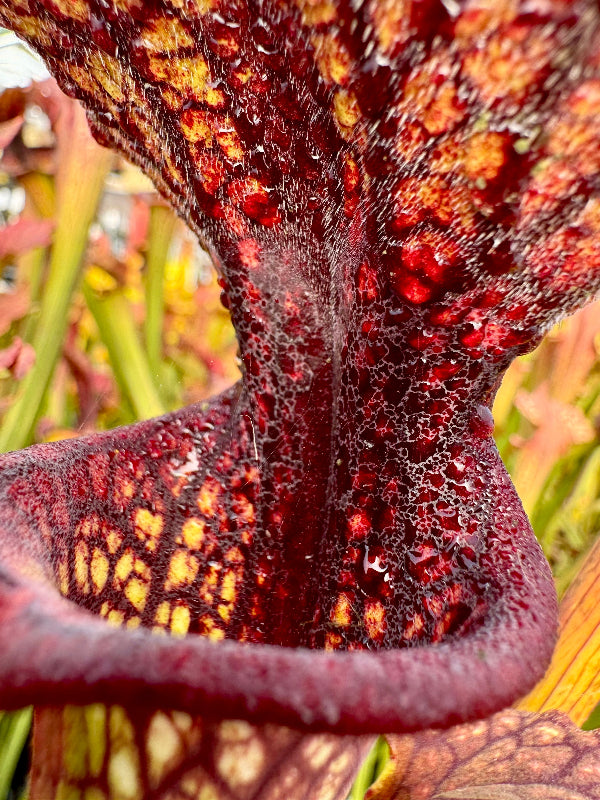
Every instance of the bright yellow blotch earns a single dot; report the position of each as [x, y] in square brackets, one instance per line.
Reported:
[114, 540]
[136, 592]
[346, 110]
[243, 74]
[374, 619]
[341, 613]
[234, 555]
[484, 155]
[228, 595]
[123, 569]
[188, 75]
[87, 527]
[99, 570]
[444, 112]
[195, 126]
[391, 20]
[317, 12]
[228, 139]
[209, 628]
[208, 498]
[171, 98]
[163, 747]
[183, 569]
[246, 537]
[123, 768]
[63, 577]
[332, 641]
[95, 736]
[73, 9]
[115, 617]
[228, 586]
[180, 620]
[209, 584]
[124, 489]
[333, 60]
[30, 26]
[162, 613]
[351, 173]
[166, 35]
[172, 166]
[193, 533]
[192, 6]
[241, 762]
[214, 98]
[107, 71]
[81, 567]
[148, 527]
[74, 752]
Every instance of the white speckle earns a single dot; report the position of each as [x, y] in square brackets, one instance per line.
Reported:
[189, 466]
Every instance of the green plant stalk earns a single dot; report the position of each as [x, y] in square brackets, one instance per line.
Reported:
[370, 770]
[113, 317]
[162, 225]
[14, 729]
[41, 195]
[583, 492]
[82, 177]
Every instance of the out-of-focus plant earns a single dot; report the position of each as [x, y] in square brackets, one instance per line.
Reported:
[109, 310]
[547, 415]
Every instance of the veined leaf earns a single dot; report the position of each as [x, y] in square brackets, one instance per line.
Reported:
[514, 755]
[572, 681]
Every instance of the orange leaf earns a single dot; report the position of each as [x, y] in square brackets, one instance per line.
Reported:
[572, 682]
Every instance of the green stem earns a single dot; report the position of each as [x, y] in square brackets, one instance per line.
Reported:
[14, 729]
[118, 332]
[162, 225]
[370, 770]
[82, 176]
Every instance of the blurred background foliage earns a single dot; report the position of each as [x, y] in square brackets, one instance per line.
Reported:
[109, 309]
[110, 312]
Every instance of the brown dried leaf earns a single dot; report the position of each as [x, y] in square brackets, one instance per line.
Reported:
[513, 755]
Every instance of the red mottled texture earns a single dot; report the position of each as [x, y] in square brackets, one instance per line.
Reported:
[400, 201]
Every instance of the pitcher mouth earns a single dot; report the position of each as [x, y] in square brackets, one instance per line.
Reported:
[53, 648]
